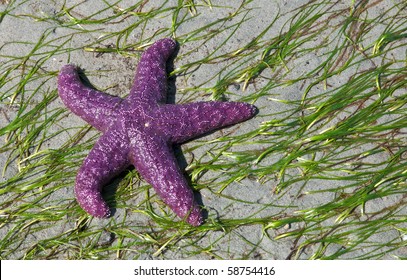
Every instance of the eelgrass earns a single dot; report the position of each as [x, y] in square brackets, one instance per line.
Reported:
[323, 164]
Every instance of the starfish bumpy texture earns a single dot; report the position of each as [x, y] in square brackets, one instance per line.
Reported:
[141, 130]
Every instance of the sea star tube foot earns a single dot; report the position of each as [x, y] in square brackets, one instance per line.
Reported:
[141, 130]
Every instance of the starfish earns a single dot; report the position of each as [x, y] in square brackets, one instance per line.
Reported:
[141, 130]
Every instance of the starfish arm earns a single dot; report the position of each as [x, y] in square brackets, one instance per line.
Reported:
[150, 83]
[186, 121]
[154, 159]
[107, 159]
[95, 107]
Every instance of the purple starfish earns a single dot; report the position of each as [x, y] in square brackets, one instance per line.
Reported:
[141, 130]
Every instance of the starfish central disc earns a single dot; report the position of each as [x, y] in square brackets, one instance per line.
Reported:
[141, 130]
